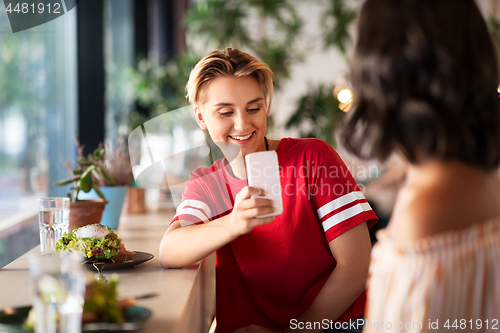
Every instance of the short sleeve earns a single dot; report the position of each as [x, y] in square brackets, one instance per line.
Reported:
[339, 202]
[194, 207]
[207, 196]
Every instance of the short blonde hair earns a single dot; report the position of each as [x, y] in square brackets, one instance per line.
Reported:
[228, 62]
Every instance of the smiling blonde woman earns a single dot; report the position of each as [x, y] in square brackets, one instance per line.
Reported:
[309, 263]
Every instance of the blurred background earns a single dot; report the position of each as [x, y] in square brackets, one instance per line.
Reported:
[101, 70]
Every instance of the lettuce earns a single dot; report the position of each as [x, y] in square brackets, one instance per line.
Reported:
[92, 247]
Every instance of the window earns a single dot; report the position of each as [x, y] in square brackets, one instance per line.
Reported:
[38, 102]
[118, 57]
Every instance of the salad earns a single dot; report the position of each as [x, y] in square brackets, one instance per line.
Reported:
[95, 242]
[101, 304]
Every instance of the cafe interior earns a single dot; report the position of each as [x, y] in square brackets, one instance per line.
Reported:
[104, 84]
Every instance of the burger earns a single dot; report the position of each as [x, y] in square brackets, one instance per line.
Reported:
[96, 242]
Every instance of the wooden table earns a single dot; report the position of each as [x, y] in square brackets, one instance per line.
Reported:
[186, 301]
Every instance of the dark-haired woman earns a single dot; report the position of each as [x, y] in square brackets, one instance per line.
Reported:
[425, 83]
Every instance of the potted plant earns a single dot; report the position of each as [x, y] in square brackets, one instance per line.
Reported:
[116, 162]
[83, 212]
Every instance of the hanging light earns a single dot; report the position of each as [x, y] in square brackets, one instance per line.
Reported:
[344, 96]
[342, 93]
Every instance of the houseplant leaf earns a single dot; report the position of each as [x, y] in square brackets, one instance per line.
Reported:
[98, 191]
[82, 161]
[66, 181]
[107, 176]
[96, 174]
[98, 153]
[86, 180]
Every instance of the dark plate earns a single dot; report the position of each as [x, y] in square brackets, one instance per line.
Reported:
[137, 258]
[12, 319]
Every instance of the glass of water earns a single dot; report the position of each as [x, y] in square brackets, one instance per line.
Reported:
[53, 221]
[58, 288]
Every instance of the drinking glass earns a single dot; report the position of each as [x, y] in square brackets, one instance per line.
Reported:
[53, 221]
[58, 287]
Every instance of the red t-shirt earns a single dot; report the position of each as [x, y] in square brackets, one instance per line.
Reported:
[272, 274]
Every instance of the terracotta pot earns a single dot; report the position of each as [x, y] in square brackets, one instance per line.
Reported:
[134, 201]
[85, 212]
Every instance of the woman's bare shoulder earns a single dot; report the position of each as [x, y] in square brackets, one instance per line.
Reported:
[417, 215]
[436, 210]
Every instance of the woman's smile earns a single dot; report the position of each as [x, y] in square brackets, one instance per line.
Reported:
[242, 139]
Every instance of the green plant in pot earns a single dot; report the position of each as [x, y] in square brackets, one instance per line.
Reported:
[116, 161]
[84, 212]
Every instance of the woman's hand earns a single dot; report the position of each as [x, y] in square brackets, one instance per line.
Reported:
[254, 329]
[183, 246]
[243, 219]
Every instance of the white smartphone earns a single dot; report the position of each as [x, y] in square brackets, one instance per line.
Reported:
[263, 172]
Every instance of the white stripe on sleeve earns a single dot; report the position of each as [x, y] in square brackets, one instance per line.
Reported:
[346, 214]
[339, 202]
[192, 211]
[195, 204]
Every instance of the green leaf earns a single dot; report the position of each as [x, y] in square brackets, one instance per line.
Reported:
[98, 191]
[66, 181]
[98, 154]
[318, 109]
[77, 171]
[336, 21]
[107, 176]
[83, 161]
[96, 174]
[86, 180]
[227, 31]
[88, 170]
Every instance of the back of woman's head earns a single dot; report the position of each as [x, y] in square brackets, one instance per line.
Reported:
[425, 79]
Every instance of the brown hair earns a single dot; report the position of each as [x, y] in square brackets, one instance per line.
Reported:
[228, 62]
[425, 80]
